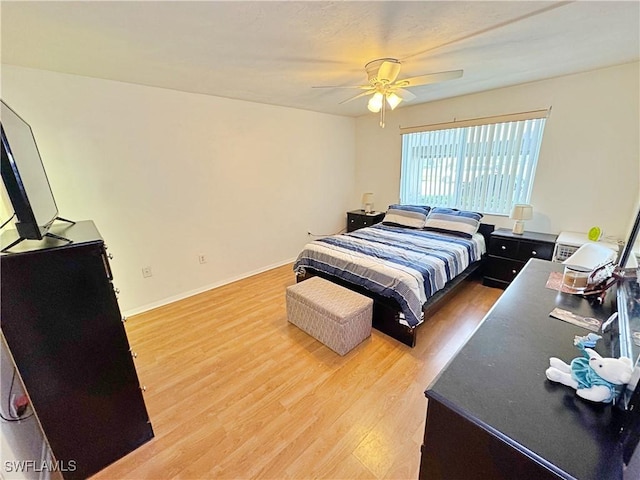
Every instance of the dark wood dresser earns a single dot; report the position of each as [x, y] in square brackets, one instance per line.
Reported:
[62, 324]
[493, 414]
[508, 252]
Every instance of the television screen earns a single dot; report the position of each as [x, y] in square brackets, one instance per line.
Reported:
[24, 177]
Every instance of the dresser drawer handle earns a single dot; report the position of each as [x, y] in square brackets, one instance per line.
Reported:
[503, 247]
[534, 253]
[514, 272]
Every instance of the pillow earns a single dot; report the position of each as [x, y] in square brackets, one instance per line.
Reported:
[418, 208]
[412, 216]
[456, 222]
[424, 207]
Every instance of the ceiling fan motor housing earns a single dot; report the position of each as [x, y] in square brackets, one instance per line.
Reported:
[382, 71]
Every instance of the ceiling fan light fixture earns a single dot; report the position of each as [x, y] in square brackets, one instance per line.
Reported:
[375, 102]
[386, 90]
[393, 100]
[373, 107]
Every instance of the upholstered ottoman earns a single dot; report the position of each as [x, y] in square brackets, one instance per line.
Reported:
[332, 314]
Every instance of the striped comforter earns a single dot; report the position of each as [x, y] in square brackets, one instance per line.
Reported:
[404, 264]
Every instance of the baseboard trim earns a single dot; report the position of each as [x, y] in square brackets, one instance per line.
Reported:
[197, 291]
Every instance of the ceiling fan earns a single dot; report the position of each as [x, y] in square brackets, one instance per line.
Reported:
[386, 89]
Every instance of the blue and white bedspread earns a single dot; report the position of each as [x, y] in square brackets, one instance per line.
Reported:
[400, 263]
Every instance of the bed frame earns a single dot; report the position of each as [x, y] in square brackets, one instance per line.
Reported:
[386, 310]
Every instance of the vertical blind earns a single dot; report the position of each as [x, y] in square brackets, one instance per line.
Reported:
[485, 168]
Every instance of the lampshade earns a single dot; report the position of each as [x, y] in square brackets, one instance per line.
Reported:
[384, 96]
[367, 201]
[393, 100]
[521, 212]
[375, 102]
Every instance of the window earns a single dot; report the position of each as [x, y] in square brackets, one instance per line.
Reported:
[486, 165]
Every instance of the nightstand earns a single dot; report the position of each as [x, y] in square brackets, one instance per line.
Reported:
[509, 252]
[358, 219]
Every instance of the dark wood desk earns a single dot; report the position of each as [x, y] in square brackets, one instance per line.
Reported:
[493, 414]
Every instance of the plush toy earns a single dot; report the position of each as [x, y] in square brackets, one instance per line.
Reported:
[593, 377]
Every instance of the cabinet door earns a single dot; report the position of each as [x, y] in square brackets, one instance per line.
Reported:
[63, 327]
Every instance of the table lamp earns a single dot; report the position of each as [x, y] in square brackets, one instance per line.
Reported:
[367, 201]
[520, 213]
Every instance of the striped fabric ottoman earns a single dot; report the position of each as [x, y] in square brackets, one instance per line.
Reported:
[332, 314]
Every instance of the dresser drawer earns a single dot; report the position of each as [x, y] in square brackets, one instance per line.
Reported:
[503, 247]
[355, 222]
[503, 268]
[527, 250]
[359, 219]
[508, 253]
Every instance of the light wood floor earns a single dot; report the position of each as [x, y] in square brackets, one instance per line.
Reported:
[235, 391]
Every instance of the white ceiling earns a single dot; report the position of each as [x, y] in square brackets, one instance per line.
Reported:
[274, 52]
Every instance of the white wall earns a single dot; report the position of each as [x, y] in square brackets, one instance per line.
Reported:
[589, 166]
[168, 175]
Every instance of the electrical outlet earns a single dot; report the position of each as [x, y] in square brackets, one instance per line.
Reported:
[202, 259]
[146, 272]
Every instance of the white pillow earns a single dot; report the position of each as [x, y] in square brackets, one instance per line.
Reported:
[406, 216]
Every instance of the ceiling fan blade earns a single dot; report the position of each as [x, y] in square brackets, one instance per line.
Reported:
[361, 87]
[428, 78]
[389, 71]
[363, 94]
[405, 95]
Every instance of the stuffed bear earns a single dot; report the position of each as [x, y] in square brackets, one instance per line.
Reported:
[593, 377]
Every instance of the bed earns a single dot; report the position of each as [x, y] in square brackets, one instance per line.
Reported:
[406, 270]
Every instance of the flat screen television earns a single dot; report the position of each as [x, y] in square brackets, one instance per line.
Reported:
[25, 179]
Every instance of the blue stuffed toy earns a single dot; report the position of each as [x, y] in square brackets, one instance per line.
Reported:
[593, 377]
